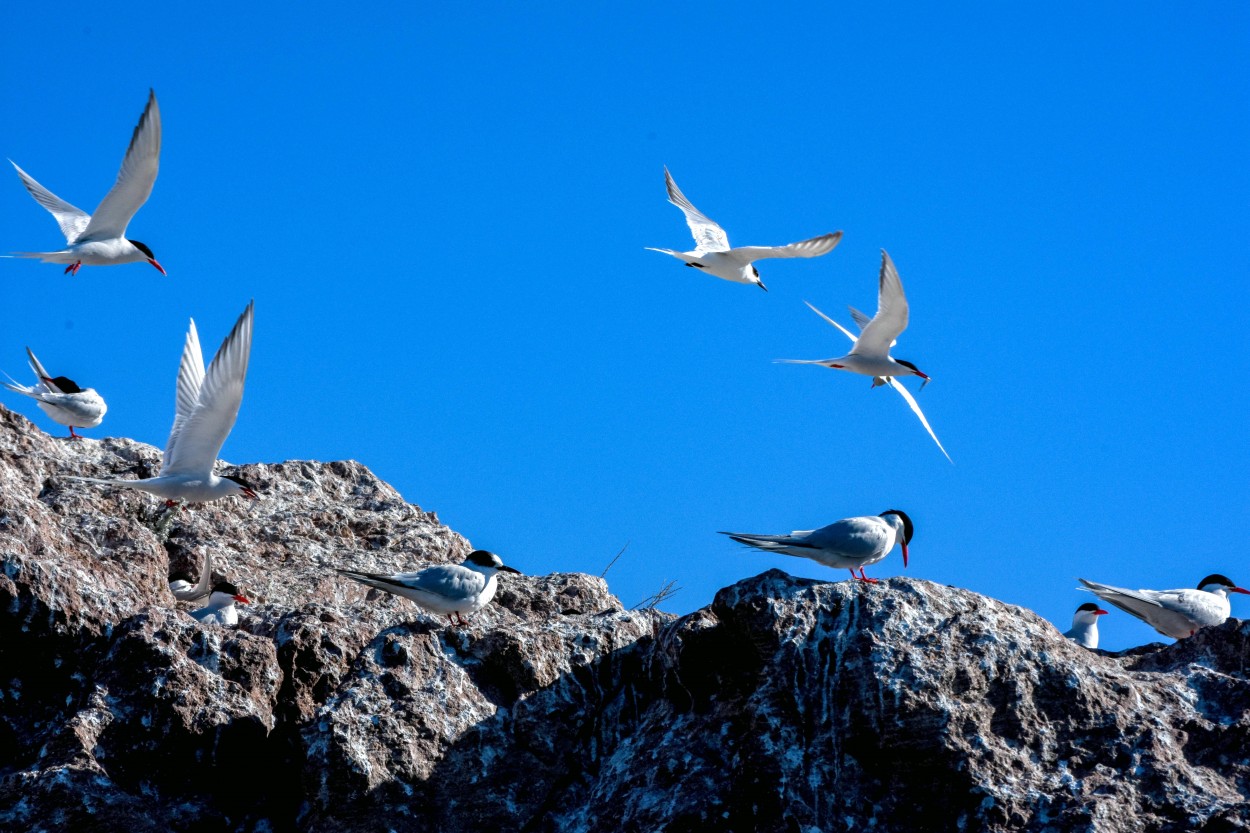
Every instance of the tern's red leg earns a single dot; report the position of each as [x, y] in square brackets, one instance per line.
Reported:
[72, 435]
[73, 268]
[863, 577]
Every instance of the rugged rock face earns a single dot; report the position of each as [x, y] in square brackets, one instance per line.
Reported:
[787, 705]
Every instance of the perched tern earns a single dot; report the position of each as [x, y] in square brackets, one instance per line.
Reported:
[444, 588]
[848, 544]
[186, 591]
[60, 398]
[99, 239]
[1174, 613]
[220, 608]
[881, 334]
[1084, 630]
[713, 255]
[206, 407]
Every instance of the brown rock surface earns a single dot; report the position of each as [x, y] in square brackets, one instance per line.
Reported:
[786, 705]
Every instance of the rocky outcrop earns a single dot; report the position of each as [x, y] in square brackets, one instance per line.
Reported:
[786, 705]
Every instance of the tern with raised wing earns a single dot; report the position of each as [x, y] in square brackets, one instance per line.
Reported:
[1084, 630]
[848, 544]
[61, 398]
[867, 357]
[712, 252]
[1175, 613]
[99, 239]
[186, 590]
[206, 406]
[447, 589]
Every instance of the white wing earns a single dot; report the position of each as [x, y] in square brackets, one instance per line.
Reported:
[198, 435]
[894, 383]
[190, 380]
[41, 374]
[134, 180]
[891, 318]
[814, 247]
[708, 237]
[71, 219]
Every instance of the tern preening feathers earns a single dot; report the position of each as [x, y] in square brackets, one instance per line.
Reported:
[206, 407]
[186, 591]
[61, 398]
[849, 544]
[1084, 630]
[713, 255]
[866, 357]
[99, 239]
[444, 588]
[220, 608]
[1174, 613]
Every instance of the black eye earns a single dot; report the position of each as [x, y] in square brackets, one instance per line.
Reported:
[756, 271]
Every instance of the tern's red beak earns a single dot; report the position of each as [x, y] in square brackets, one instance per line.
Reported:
[1240, 590]
[160, 268]
[243, 600]
[904, 556]
[1100, 612]
[250, 494]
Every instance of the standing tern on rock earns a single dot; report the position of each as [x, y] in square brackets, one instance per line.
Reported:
[206, 407]
[847, 544]
[1084, 630]
[444, 588]
[99, 239]
[870, 354]
[186, 591]
[1175, 613]
[713, 255]
[220, 608]
[60, 398]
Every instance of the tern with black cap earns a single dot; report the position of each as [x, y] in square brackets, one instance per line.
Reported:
[1084, 630]
[848, 544]
[712, 253]
[220, 608]
[99, 239]
[61, 398]
[206, 406]
[452, 590]
[1175, 613]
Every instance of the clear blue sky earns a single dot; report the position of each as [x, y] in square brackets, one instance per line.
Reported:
[441, 213]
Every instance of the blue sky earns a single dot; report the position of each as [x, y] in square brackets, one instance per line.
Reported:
[441, 214]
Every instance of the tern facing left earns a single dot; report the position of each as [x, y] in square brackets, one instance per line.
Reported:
[1084, 630]
[871, 354]
[713, 255]
[207, 405]
[220, 608]
[847, 544]
[444, 588]
[1175, 613]
[99, 239]
[60, 398]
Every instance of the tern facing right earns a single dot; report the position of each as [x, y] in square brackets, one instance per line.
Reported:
[713, 255]
[846, 544]
[1175, 613]
[444, 588]
[205, 410]
[99, 239]
[1084, 630]
[60, 398]
[220, 608]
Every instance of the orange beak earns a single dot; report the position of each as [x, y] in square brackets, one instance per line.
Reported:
[242, 600]
[160, 268]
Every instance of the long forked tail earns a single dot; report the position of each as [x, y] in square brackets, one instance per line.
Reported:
[375, 580]
[763, 542]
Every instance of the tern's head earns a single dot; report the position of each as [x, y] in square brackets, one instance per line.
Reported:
[1216, 583]
[487, 562]
[1087, 614]
[755, 273]
[148, 254]
[63, 383]
[908, 530]
[912, 368]
[225, 594]
[244, 489]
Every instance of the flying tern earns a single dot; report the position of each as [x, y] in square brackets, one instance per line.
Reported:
[878, 334]
[185, 590]
[99, 239]
[850, 544]
[449, 589]
[60, 398]
[220, 608]
[1084, 630]
[1174, 613]
[206, 407]
[713, 255]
